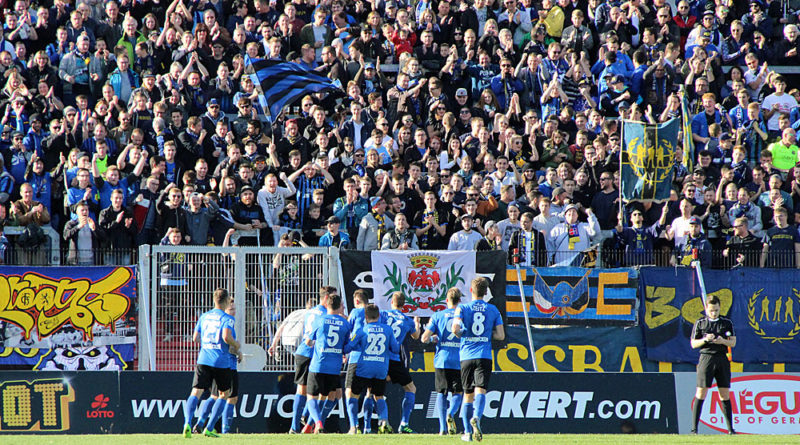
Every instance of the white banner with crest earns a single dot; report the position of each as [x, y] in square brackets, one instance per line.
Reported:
[422, 276]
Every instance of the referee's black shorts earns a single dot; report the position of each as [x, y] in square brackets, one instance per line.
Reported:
[398, 373]
[713, 367]
[301, 364]
[448, 380]
[476, 373]
[205, 375]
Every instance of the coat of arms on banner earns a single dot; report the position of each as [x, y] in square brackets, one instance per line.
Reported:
[423, 278]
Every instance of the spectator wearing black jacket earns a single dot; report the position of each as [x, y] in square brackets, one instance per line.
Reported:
[170, 212]
[117, 223]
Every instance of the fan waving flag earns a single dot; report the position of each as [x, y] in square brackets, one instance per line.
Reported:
[648, 158]
[284, 82]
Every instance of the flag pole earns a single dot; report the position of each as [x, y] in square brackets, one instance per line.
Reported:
[621, 148]
[525, 316]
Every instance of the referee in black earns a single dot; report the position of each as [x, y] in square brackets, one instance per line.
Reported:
[713, 335]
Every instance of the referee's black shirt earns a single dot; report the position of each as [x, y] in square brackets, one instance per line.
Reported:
[721, 327]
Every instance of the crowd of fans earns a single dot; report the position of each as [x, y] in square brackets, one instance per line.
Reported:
[461, 124]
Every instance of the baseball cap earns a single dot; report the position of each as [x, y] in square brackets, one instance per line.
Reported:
[246, 188]
[694, 220]
[724, 137]
[465, 216]
[36, 117]
[489, 225]
[557, 191]
[375, 200]
[213, 102]
[705, 34]
[461, 92]
[570, 207]
[369, 66]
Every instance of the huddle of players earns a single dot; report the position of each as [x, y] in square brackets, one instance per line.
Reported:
[463, 360]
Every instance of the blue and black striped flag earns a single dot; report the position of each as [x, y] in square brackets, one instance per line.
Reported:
[284, 82]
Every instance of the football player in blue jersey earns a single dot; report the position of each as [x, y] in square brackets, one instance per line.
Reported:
[477, 323]
[330, 337]
[357, 321]
[402, 326]
[233, 397]
[446, 362]
[215, 333]
[302, 357]
[374, 341]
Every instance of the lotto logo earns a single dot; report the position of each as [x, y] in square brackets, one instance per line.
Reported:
[100, 401]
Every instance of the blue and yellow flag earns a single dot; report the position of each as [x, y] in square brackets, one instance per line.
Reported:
[686, 129]
[648, 159]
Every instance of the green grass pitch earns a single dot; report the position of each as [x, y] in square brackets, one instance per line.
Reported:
[395, 439]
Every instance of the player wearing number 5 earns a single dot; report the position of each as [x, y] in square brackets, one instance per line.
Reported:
[374, 341]
[329, 336]
[446, 362]
[477, 323]
[713, 335]
[215, 333]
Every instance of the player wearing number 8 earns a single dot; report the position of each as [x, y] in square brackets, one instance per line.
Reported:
[477, 323]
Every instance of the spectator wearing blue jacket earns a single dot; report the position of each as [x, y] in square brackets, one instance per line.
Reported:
[703, 120]
[504, 85]
[333, 237]
[123, 79]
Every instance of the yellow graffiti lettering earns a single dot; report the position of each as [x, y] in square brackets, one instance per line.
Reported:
[36, 300]
[631, 355]
[505, 363]
[657, 310]
[542, 364]
[693, 309]
[606, 278]
[579, 363]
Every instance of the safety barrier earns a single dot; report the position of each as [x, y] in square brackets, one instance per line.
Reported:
[267, 284]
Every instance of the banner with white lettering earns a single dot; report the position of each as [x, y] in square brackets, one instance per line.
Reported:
[423, 277]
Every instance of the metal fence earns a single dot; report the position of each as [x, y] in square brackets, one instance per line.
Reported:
[268, 284]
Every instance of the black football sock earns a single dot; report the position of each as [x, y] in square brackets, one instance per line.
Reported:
[728, 412]
[696, 410]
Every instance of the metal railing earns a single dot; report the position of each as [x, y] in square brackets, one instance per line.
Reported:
[267, 284]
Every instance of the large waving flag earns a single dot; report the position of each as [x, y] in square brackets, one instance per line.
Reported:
[686, 128]
[648, 158]
[284, 82]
